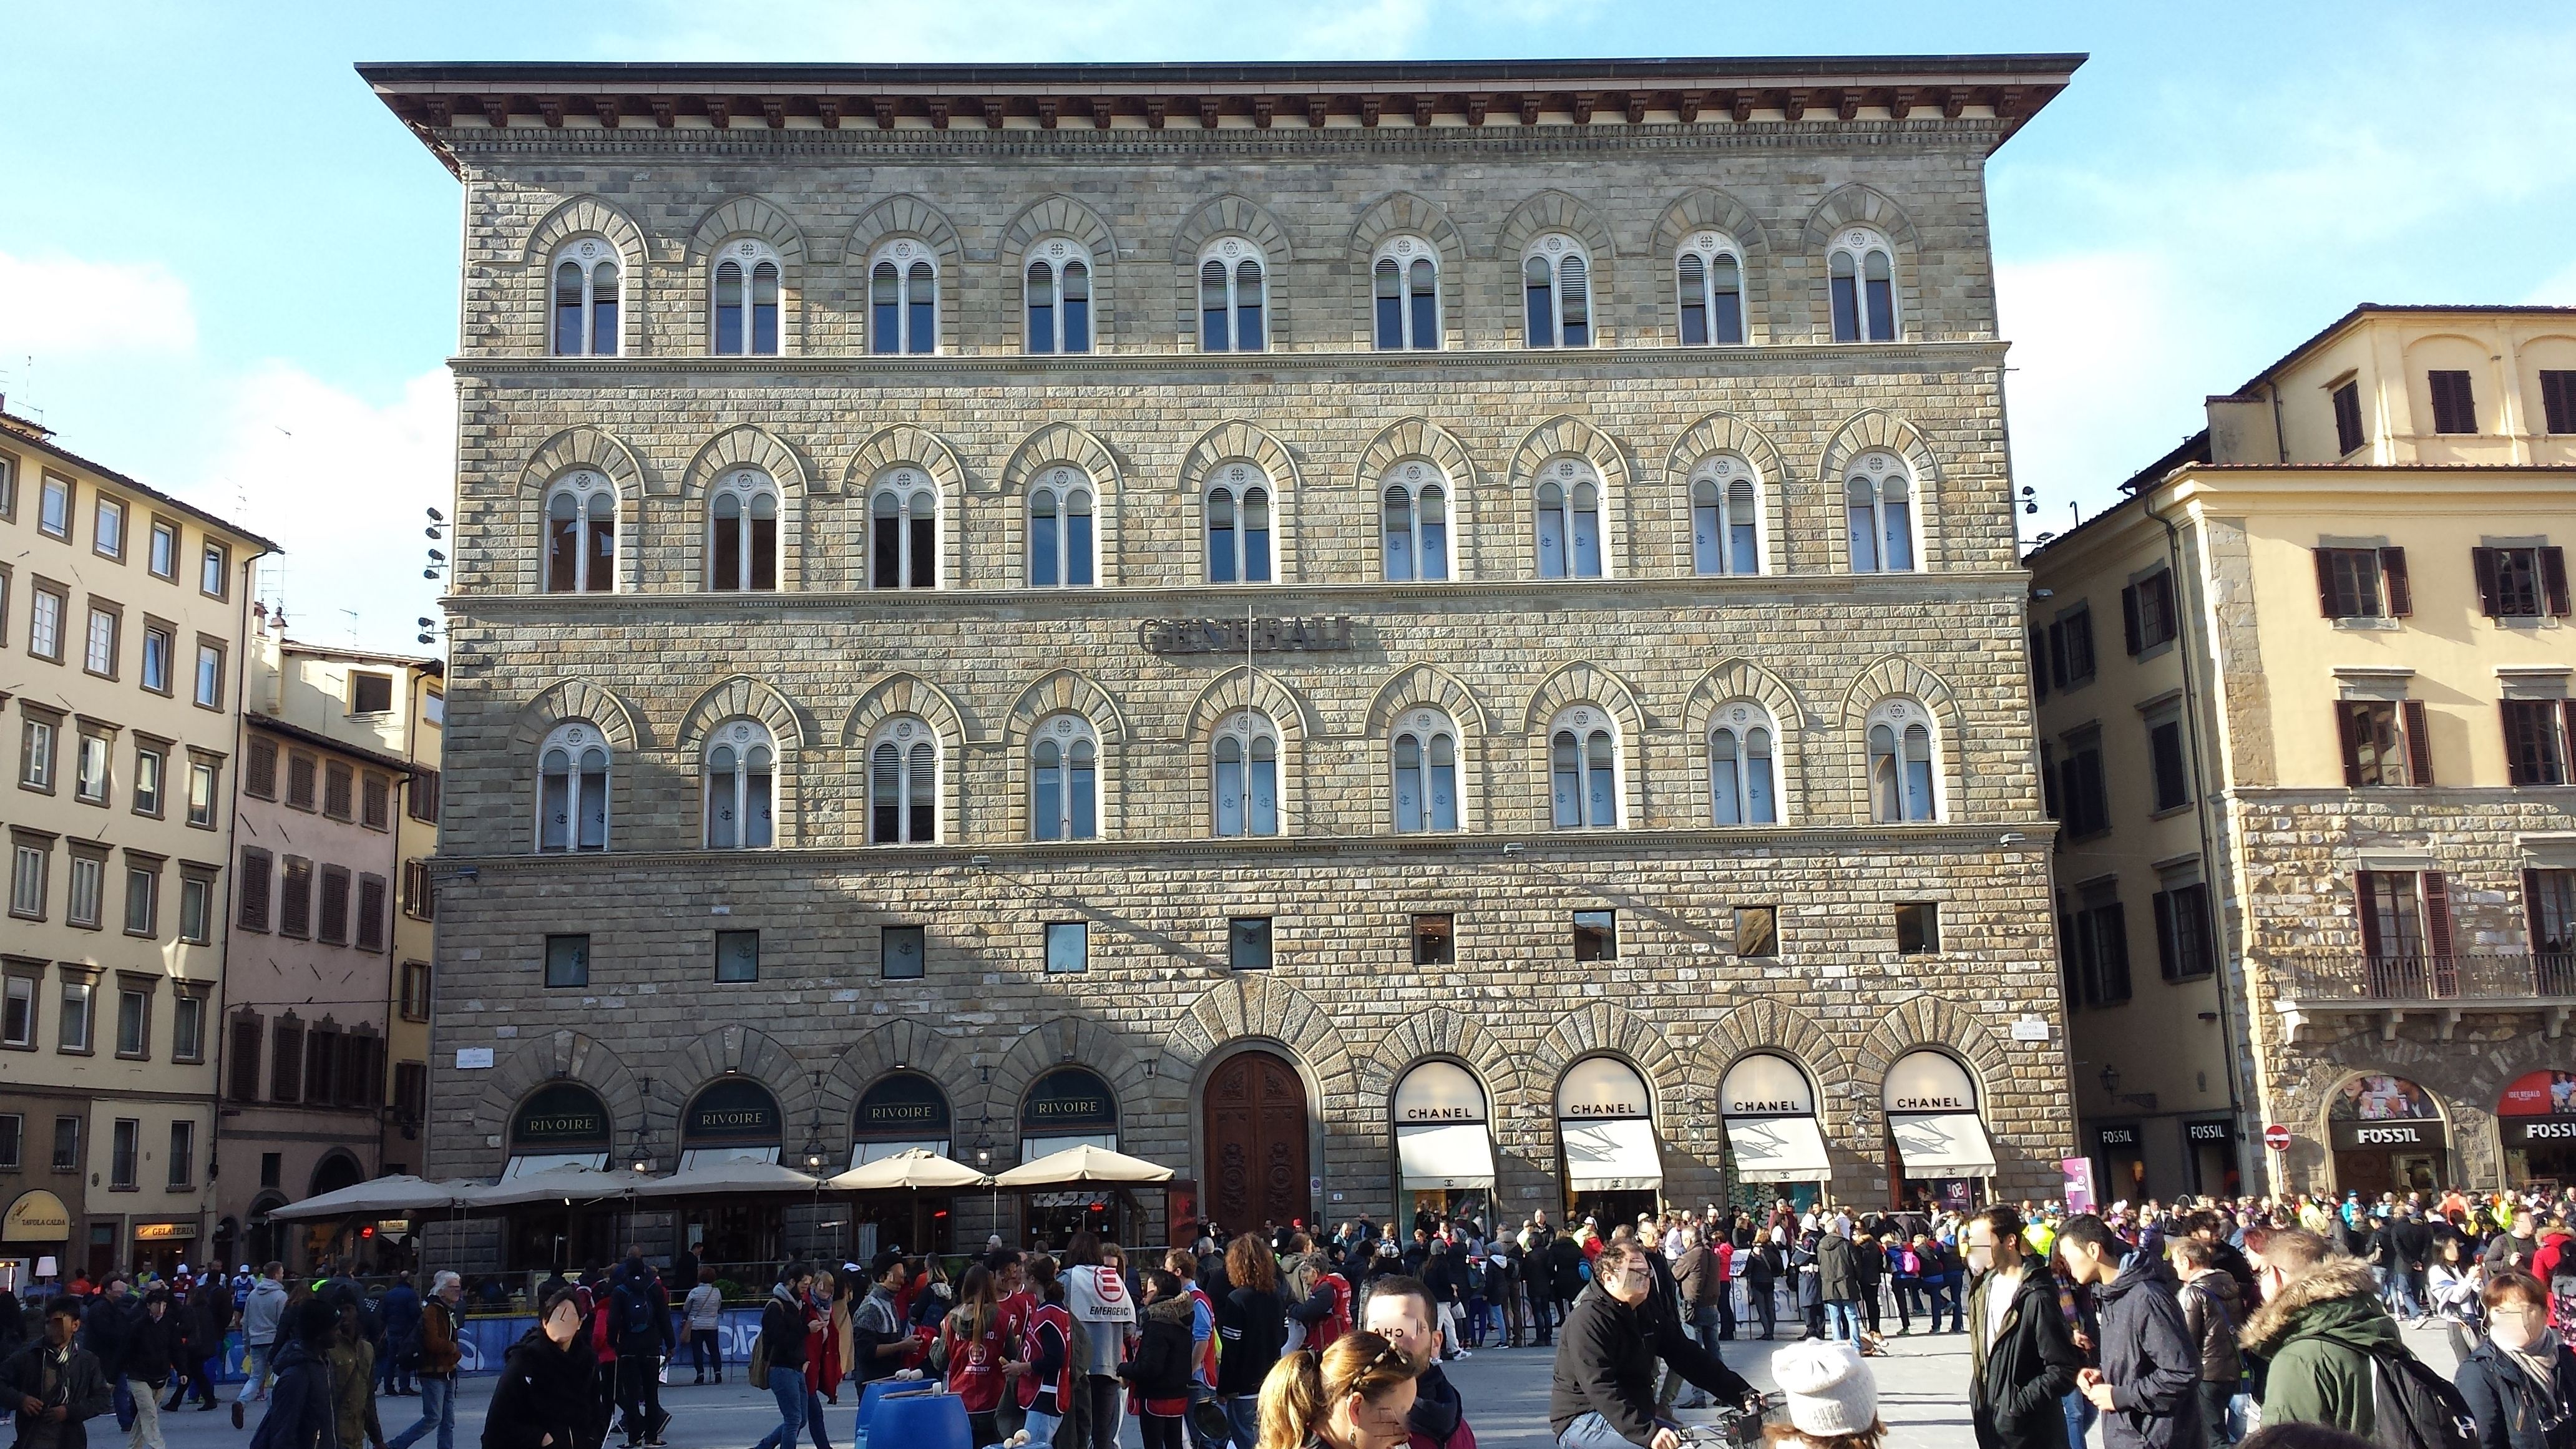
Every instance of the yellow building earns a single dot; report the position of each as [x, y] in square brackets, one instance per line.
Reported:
[123, 614]
[2304, 718]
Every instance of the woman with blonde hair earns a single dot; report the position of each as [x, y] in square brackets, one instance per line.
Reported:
[1356, 1394]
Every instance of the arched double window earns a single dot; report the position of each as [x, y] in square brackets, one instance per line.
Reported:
[1583, 769]
[1060, 529]
[1741, 783]
[572, 788]
[1903, 785]
[1064, 779]
[1058, 285]
[742, 774]
[1878, 506]
[1861, 269]
[1233, 288]
[1244, 770]
[1710, 273]
[1569, 520]
[1726, 517]
[1414, 512]
[903, 531]
[742, 532]
[581, 534]
[586, 297]
[1556, 282]
[903, 783]
[744, 300]
[903, 298]
[1425, 768]
[1405, 278]
[1238, 525]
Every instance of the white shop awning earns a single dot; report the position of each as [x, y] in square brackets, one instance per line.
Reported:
[1033, 1148]
[1778, 1149]
[1612, 1156]
[1952, 1144]
[868, 1152]
[693, 1158]
[1453, 1155]
[536, 1162]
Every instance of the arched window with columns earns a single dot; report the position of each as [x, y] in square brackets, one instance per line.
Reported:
[903, 782]
[581, 534]
[1233, 296]
[1742, 778]
[1404, 284]
[1424, 765]
[741, 779]
[1062, 519]
[742, 532]
[1726, 517]
[1244, 774]
[586, 298]
[1568, 522]
[1583, 769]
[1415, 518]
[903, 531]
[743, 299]
[1904, 762]
[1879, 514]
[1861, 271]
[1058, 289]
[1238, 503]
[572, 788]
[1064, 779]
[1556, 288]
[1709, 271]
[903, 298]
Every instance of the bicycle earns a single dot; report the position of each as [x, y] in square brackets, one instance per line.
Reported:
[1737, 1426]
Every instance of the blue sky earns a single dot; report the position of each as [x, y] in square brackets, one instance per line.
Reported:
[226, 270]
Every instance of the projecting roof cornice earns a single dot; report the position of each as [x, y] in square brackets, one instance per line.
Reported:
[441, 101]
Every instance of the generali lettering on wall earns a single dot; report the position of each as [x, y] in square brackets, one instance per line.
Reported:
[1239, 636]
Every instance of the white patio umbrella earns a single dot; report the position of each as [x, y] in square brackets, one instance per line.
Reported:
[726, 1175]
[400, 1193]
[919, 1169]
[571, 1184]
[1081, 1166]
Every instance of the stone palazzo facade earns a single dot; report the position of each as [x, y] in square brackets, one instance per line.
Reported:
[851, 682]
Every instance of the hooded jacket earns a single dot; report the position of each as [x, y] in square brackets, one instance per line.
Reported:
[261, 1311]
[543, 1390]
[1837, 1275]
[2149, 1357]
[1437, 1411]
[302, 1413]
[2320, 1332]
[2511, 1409]
[1160, 1368]
[2015, 1382]
[2210, 1313]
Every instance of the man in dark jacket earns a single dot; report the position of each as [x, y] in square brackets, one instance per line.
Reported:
[2320, 1326]
[51, 1388]
[1564, 1273]
[1603, 1390]
[639, 1325]
[1762, 1286]
[302, 1413]
[2021, 1361]
[210, 1318]
[2148, 1387]
[2409, 1246]
[399, 1315]
[1838, 1284]
[2209, 1317]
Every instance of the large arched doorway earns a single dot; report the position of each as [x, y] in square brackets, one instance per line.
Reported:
[1253, 1120]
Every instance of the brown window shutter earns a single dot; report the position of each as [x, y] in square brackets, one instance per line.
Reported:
[2567, 741]
[2553, 579]
[2365, 889]
[2401, 589]
[247, 1035]
[2129, 618]
[2419, 744]
[2325, 581]
[2482, 562]
[2531, 908]
[2348, 724]
[2437, 914]
[2168, 962]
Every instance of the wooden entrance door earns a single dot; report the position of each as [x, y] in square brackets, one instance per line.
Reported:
[1255, 1129]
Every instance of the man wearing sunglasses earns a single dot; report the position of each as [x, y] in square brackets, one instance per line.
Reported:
[1603, 1394]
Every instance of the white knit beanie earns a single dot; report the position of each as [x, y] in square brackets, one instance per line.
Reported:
[1830, 1391]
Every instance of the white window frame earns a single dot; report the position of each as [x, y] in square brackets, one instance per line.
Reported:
[1558, 487]
[1404, 255]
[1063, 737]
[1417, 559]
[1236, 481]
[1888, 735]
[1055, 253]
[1238, 743]
[209, 683]
[1580, 726]
[92, 759]
[1722, 477]
[734, 752]
[1873, 472]
[1854, 247]
[45, 623]
[1735, 723]
[54, 506]
[1708, 248]
[1059, 485]
[746, 256]
[590, 493]
[1418, 735]
[909, 489]
[574, 740]
[1233, 254]
[1556, 249]
[895, 767]
[588, 254]
[907, 256]
[106, 538]
[746, 489]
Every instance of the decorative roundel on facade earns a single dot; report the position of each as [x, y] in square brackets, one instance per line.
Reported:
[1403, 246]
[1245, 723]
[902, 251]
[741, 731]
[584, 480]
[1876, 462]
[1237, 474]
[576, 734]
[903, 729]
[1556, 243]
[1900, 710]
[747, 249]
[1739, 714]
[592, 248]
[1061, 477]
[1580, 718]
[1064, 726]
[745, 479]
[1568, 469]
[1231, 247]
[1708, 241]
[1057, 247]
[1413, 472]
[1723, 466]
[903, 477]
[1425, 720]
[1859, 237]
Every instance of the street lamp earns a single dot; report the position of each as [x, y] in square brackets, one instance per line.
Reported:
[2110, 1080]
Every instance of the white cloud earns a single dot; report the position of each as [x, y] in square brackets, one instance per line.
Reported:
[53, 306]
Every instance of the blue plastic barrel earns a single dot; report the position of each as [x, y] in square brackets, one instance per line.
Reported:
[875, 1393]
[922, 1421]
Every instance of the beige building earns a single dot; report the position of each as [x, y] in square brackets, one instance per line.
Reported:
[1380, 635]
[327, 984]
[2304, 714]
[124, 615]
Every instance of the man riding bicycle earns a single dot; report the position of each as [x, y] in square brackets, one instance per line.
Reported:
[1603, 1396]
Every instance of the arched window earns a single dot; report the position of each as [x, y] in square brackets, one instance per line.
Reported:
[1583, 769]
[903, 298]
[1862, 269]
[1059, 296]
[581, 535]
[1064, 780]
[1569, 520]
[585, 298]
[1414, 507]
[1741, 780]
[1245, 764]
[1710, 272]
[1557, 280]
[1238, 525]
[1878, 504]
[1425, 762]
[1406, 279]
[1232, 291]
[903, 531]
[903, 783]
[1726, 517]
[1060, 529]
[572, 788]
[742, 532]
[1903, 785]
[742, 770]
[745, 300]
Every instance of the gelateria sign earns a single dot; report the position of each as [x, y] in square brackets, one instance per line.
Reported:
[1242, 636]
[36, 1217]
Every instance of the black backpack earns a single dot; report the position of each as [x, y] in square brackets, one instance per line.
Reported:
[2413, 1407]
[639, 1308]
